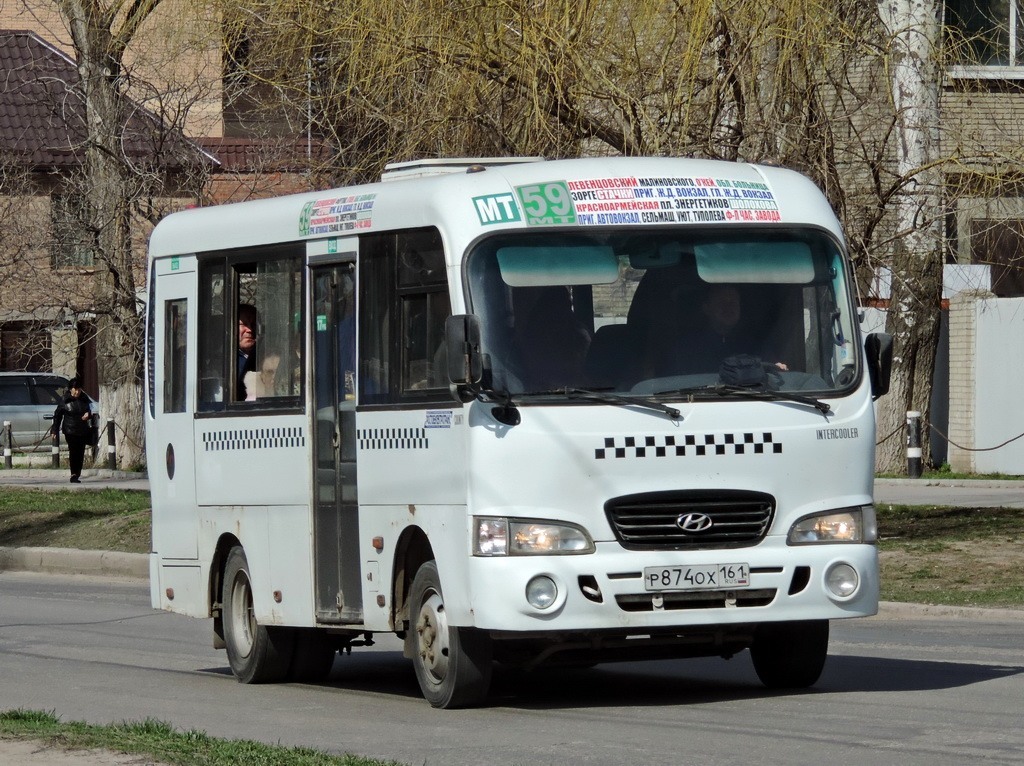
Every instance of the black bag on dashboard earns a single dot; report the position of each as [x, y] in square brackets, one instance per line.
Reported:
[743, 370]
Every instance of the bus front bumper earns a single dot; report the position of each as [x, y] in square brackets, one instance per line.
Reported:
[635, 591]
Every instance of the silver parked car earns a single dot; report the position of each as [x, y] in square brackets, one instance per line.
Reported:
[27, 400]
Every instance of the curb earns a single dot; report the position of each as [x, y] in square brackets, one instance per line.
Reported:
[976, 483]
[897, 610]
[61, 474]
[75, 561]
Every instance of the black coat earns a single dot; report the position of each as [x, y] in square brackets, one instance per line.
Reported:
[67, 418]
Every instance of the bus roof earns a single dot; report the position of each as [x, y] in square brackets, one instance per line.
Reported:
[587, 193]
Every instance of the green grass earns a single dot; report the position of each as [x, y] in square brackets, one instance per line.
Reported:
[107, 519]
[164, 744]
[952, 556]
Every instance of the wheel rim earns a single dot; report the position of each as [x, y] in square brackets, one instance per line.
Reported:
[432, 637]
[243, 621]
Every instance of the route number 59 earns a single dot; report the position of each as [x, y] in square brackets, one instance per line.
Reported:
[547, 204]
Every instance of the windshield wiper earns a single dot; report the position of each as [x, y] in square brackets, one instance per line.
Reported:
[630, 400]
[725, 389]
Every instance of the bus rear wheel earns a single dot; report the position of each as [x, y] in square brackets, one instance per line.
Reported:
[453, 665]
[790, 655]
[256, 653]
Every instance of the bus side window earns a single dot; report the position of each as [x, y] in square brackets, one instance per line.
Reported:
[175, 314]
[211, 326]
[404, 304]
[423, 296]
[272, 286]
[263, 288]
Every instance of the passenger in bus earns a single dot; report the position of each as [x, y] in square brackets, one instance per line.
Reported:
[721, 334]
[247, 323]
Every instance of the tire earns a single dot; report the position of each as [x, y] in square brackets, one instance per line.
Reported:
[790, 655]
[453, 665]
[313, 656]
[257, 654]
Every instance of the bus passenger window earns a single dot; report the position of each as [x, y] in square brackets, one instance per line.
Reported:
[211, 335]
[423, 296]
[250, 329]
[268, 344]
[175, 313]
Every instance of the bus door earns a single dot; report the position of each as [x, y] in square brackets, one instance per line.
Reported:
[336, 515]
[173, 335]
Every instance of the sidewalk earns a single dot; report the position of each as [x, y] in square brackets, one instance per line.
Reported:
[59, 478]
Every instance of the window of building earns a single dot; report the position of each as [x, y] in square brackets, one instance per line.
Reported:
[984, 34]
[250, 329]
[70, 242]
[404, 295]
[25, 346]
[1000, 245]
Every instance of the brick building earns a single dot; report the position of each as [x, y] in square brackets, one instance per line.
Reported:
[178, 135]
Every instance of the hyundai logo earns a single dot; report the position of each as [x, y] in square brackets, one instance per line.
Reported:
[694, 522]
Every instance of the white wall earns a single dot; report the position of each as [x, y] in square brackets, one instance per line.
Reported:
[999, 384]
[986, 371]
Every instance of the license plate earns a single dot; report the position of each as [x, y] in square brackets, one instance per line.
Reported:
[707, 577]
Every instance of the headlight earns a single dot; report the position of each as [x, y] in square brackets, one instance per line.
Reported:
[520, 537]
[849, 525]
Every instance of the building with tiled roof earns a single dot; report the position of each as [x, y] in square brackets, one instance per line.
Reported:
[45, 274]
[42, 124]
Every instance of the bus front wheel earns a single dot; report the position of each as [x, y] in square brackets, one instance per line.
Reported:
[257, 654]
[790, 655]
[453, 665]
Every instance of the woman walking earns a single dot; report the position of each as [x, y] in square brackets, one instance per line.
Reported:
[72, 417]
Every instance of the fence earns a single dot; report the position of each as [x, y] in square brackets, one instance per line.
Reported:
[7, 439]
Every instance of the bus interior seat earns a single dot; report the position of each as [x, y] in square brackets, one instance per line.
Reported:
[664, 305]
[551, 342]
[612, 359]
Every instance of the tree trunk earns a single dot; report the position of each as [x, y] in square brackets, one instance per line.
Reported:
[107, 190]
[914, 303]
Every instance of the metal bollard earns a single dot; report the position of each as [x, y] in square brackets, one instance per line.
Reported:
[55, 449]
[9, 446]
[111, 453]
[914, 444]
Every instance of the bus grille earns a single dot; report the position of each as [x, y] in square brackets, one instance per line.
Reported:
[691, 519]
[703, 599]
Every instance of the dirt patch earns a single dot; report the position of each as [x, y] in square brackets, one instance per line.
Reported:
[988, 572]
[26, 751]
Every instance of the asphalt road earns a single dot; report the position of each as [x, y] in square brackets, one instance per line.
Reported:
[896, 689]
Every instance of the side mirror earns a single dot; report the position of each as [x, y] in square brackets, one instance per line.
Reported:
[462, 341]
[878, 355]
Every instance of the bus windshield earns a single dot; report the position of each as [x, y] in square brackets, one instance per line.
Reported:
[663, 312]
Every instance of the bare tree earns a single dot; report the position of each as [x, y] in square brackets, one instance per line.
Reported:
[129, 161]
[842, 90]
[916, 265]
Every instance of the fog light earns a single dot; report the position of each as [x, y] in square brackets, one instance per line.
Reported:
[842, 580]
[541, 592]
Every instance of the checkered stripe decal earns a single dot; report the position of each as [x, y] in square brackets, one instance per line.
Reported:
[699, 445]
[392, 438]
[253, 438]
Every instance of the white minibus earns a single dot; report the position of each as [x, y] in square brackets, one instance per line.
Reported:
[519, 411]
